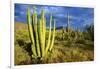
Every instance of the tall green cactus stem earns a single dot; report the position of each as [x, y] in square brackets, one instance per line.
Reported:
[63, 32]
[48, 42]
[68, 27]
[43, 21]
[53, 36]
[37, 33]
[68, 23]
[31, 33]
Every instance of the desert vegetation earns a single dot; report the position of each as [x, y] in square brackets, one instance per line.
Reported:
[35, 44]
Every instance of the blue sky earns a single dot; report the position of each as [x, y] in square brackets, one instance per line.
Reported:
[79, 16]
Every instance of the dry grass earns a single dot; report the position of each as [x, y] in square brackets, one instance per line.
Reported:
[77, 50]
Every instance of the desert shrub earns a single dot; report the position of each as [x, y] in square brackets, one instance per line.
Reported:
[21, 56]
[22, 34]
[59, 36]
[80, 41]
[76, 54]
[69, 54]
[55, 56]
[89, 32]
[21, 37]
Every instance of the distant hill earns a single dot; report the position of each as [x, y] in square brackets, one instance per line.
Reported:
[20, 25]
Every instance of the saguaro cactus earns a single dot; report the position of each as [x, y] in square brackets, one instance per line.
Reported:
[68, 27]
[37, 33]
[68, 23]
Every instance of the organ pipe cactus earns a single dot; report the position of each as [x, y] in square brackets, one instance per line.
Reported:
[40, 46]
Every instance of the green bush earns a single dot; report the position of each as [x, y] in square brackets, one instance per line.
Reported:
[21, 56]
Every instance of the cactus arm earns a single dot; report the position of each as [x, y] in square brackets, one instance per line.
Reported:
[36, 32]
[40, 35]
[43, 20]
[53, 37]
[49, 37]
[44, 30]
[31, 33]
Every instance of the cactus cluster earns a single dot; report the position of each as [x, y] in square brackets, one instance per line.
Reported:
[40, 46]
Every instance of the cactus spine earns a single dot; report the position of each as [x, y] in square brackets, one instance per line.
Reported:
[37, 33]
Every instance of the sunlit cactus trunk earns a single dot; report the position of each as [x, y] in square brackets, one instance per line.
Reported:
[49, 37]
[37, 33]
[53, 37]
[30, 28]
[43, 29]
